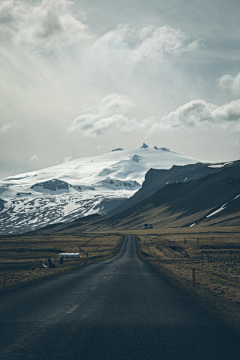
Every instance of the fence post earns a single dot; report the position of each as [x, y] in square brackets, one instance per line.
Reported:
[4, 280]
[193, 273]
[158, 262]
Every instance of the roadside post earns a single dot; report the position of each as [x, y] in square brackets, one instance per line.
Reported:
[4, 280]
[193, 273]
[158, 262]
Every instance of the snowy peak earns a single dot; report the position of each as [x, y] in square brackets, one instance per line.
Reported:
[144, 146]
[79, 187]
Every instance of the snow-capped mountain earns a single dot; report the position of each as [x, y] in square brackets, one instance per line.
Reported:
[79, 187]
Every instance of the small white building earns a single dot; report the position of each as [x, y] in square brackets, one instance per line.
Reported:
[69, 255]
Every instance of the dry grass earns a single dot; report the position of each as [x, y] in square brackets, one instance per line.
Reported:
[215, 257]
[213, 252]
[22, 257]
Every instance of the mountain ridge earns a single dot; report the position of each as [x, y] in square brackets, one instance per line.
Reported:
[81, 187]
[156, 179]
[210, 200]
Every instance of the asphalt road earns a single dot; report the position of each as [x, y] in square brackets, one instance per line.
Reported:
[117, 309]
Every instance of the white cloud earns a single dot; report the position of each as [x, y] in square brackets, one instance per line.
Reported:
[108, 116]
[146, 42]
[49, 24]
[6, 127]
[199, 113]
[45, 24]
[43, 60]
[34, 158]
[229, 82]
[229, 112]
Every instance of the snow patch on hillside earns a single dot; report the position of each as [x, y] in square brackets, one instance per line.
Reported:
[223, 207]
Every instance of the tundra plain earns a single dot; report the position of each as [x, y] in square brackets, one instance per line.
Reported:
[214, 253]
[25, 258]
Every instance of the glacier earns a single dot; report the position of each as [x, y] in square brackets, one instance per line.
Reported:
[78, 188]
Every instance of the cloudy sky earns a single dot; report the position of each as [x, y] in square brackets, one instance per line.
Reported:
[82, 77]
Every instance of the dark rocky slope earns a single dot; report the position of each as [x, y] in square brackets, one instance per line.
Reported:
[157, 179]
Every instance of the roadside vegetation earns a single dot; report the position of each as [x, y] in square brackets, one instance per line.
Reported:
[213, 252]
[26, 258]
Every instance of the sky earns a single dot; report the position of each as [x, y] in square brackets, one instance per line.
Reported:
[82, 77]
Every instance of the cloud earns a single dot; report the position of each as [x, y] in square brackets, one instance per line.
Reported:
[43, 25]
[146, 42]
[199, 113]
[44, 60]
[48, 24]
[34, 158]
[229, 82]
[108, 116]
[229, 112]
[6, 127]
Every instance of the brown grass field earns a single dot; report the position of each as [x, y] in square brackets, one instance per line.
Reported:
[22, 257]
[213, 252]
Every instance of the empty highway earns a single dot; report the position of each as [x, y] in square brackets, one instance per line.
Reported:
[121, 308]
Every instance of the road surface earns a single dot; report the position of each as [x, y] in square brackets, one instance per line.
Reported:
[121, 308]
